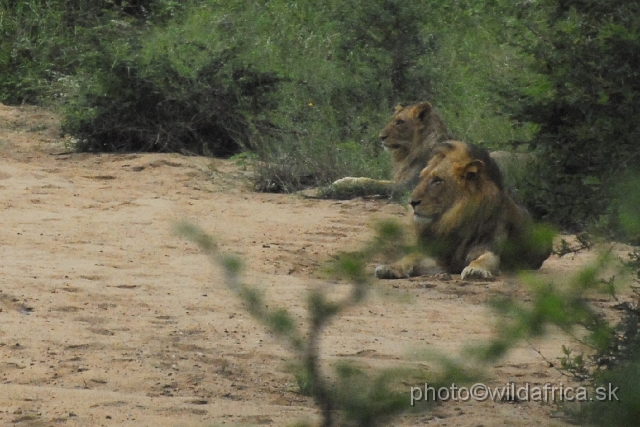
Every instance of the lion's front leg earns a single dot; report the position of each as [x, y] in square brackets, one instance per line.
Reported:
[409, 266]
[483, 267]
[362, 186]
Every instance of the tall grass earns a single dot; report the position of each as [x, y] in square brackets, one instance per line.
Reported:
[306, 85]
[45, 45]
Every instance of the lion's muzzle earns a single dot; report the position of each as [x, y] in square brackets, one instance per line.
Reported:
[424, 219]
[421, 218]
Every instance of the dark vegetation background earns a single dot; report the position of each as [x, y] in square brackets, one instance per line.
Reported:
[307, 86]
[303, 88]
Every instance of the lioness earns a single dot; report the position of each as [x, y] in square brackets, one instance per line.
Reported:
[409, 137]
[466, 221]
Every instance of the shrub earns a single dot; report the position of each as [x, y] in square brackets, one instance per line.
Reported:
[354, 395]
[585, 104]
[155, 108]
[307, 86]
[43, 43]
[362, 396]
[614, 363]
[361, 59]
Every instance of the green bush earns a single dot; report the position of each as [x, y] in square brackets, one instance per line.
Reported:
[307, 86]
[31, 34]
[180, 86]
[614, 363]
[353, 395]
[585, 102]
[618, 364]
[46, 43]
[155, 108]
[360, 60]
[363, 396]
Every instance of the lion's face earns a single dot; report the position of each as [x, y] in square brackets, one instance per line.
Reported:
[451, 188]
[406, 122]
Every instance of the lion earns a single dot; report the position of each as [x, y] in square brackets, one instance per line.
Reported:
[466, 221]
[409, 137]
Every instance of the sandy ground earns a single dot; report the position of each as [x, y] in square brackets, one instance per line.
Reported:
[109, 319]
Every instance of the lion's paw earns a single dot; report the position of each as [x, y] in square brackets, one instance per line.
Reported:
[471, 272]
[388, 272]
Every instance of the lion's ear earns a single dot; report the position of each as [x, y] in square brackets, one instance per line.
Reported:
[473, 169]
[398, 109]
[422, 110]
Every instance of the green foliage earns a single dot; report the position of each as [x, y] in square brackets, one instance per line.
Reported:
[369, 400]
[339, 88]
[303, 378]
[155, 108]
[619, 369]
[585, 103]
[626, 410]
[45, 45]
[628, 205]
[366, 57]
[564, 305]
[31, 35]
[307, 86]
[357, 395]
[615, 363]
[244, 159]
[354, 395]
[574, 365]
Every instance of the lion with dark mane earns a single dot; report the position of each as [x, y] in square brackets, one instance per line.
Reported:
[466, 221]
[409, 137]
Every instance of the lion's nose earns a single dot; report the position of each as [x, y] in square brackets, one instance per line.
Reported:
[415, 203]
[382, 137]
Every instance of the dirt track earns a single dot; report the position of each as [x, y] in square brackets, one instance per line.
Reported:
[110, 319]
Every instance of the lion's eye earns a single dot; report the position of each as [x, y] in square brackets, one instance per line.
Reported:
[436, 180]
[399, 122]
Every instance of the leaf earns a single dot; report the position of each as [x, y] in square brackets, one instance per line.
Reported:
[591, 180]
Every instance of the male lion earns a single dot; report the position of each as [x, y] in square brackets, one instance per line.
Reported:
[409, 137]
[466, 221]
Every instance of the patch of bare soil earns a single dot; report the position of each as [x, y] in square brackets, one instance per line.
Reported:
[109, 319]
